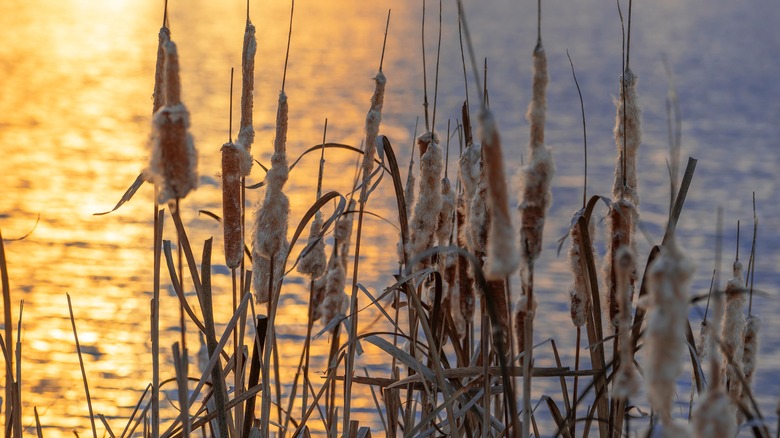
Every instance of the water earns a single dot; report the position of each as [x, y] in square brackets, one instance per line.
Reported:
[74, 122]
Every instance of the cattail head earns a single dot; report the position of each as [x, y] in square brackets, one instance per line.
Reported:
[714, 415]
[313, 262]
[733, 327]
[159, 96]
[231, 204]
[428, 205]
[578, 294]
[502, 256]
[749, 356]
[471, 174]
[373, 119]
[246, 135]
[269, 249]
[334, 301]
[538, 107]
[620, 223]
[522, 315]
[444, 225]
[628, 128]
[670, 276]
[627, 380]
[174, 160]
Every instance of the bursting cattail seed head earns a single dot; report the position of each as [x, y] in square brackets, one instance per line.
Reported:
[159, 82]
[579, 293]
[670, 276]
[627, 380]
[471, 174]
[632, 132]
[428, 205]
[269, 249]
[620, 222]
[246, 134]
[174, 160]
[502, 256]
[314, 261]
[231, 204]
[536, 194]
[733, 330]
[373, 119]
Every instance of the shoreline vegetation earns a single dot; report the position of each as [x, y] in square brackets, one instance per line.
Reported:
[462, 340]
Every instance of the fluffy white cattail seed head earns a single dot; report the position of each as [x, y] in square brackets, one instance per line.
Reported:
[471, 174]
[314, 261]
[733, 330]
[428, 205]
[670, 277]
[628, 127]
[246, 134]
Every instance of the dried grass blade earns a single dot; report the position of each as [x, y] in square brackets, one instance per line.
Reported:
[81, 365]
[39, 431]
[129, 193]
[135, 410]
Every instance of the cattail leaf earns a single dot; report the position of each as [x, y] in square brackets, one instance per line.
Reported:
[129, 193]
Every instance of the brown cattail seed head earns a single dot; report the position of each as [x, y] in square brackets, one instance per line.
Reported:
[231, 205]
[632, 133]
[502, 256]
[174, 161]
[579, 292]
[159, 96]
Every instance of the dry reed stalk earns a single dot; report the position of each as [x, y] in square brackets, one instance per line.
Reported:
[502, 256]
[231, 204]
[246, 134]
[628, 136]
[621, 224]
[270, 241]
[174, 160]
[627, 380]
[537, 176]
[732, 335]
[670, 277]
[579, 293]
[428, 205]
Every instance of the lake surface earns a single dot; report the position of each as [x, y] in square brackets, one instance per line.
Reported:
[75, 112]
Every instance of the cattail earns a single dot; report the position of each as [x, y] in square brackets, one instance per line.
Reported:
[174, 161]
[627, 380]
[444, 228]
[246, 135]
[465, 303]
[408, 201]
[714, 416]
[475, 225]
[733, 329]
[628, 128]
[621, 222]
[749, 356]
[428, 205]
[373, 119]
[578, 294]
[334, 301]
[314, 261]
[231, 204]
[270, 241]
[318, 295]
[521, 316]
[537, 176]
[343, 232]
[670, 276]
[158, 96]
[502, 257]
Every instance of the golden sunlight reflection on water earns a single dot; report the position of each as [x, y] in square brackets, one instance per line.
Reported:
[75, 117]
